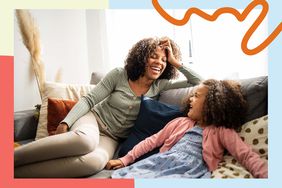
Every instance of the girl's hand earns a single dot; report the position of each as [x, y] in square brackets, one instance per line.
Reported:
[165, 44]
[62, 128]
[114, 164]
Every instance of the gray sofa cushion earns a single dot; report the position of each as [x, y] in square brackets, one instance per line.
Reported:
[176, 96]
[96, 77]
[255, 91]
[25, 124]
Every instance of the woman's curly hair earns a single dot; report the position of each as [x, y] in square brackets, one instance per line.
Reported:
[138, 55]
[224, 104]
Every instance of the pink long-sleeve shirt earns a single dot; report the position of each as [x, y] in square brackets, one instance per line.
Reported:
[215, 140]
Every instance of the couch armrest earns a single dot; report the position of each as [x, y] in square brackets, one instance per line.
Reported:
[25, 125]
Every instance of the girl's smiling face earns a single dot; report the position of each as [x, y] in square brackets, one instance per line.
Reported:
[197, 103]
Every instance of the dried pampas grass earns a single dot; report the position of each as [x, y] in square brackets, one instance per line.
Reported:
[31, 39]
[58, 77]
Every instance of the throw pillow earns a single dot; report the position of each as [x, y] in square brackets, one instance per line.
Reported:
[229, 167]
[59, 91]
[57, 111]
[254, 133]
[152, 117]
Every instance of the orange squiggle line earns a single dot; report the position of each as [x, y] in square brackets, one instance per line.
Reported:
[240, 17]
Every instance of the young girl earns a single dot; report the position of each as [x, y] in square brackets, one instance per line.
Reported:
[192, 147]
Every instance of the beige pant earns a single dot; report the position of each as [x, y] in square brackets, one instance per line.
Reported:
[82, 151]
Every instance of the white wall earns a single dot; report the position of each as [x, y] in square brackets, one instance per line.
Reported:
[64, 48]
[217, 47]
[97, 41]
[111, 33]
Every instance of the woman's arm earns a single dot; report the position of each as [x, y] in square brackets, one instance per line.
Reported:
[192, 79]
[102, 90]
[244, 153]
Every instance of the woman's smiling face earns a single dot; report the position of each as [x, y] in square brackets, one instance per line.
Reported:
[156, 64]
[197, 103]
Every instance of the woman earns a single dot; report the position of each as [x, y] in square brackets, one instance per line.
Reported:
[87, 138]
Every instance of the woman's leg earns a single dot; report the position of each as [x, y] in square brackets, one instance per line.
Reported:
[81, 139]
[77, 166]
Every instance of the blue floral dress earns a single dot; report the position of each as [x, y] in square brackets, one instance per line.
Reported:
[183, 160]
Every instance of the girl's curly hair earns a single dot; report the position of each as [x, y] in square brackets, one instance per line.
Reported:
[138, 55]
[224, 104]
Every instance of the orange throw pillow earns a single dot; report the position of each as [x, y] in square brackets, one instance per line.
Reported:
[57, 111]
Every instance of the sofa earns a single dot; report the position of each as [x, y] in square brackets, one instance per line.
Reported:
[255, 91]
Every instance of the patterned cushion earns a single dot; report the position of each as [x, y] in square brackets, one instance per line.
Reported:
[230, 168]
[255, 133]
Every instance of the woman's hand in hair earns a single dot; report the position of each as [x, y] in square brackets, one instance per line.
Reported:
[165, 44]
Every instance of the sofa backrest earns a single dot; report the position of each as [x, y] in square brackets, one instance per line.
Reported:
[255, 91]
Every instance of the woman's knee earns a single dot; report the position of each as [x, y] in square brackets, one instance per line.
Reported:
[84, 142]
